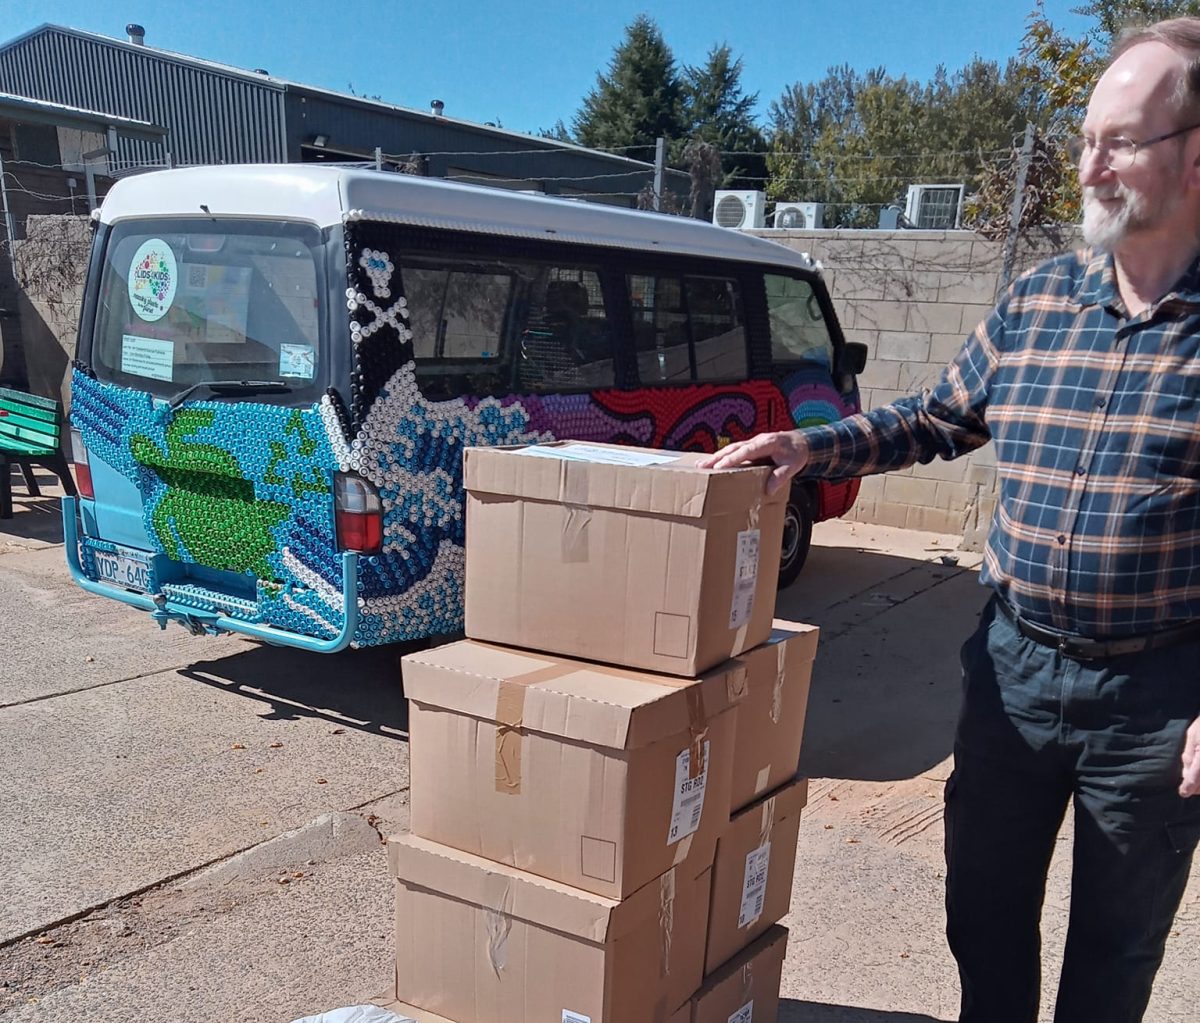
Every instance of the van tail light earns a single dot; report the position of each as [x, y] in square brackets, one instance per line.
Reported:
[359, 515]
[83, 470]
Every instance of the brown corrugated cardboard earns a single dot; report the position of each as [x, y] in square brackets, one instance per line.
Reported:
[770, 724]
[745, 990]
[599, 777]
[403, 1009]
[752, 875]
[479, 941]
[665, 567]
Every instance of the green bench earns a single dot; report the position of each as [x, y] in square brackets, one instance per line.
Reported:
[30, 431]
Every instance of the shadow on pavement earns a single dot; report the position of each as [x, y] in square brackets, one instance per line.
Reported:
[886, 683]
[34, 518]
[793, 1011]
[355, 688]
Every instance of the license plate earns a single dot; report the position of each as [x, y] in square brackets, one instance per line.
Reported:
[125, 570]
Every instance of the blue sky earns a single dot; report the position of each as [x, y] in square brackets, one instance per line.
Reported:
[528, 65]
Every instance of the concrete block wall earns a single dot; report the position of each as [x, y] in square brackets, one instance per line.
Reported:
[913, 297]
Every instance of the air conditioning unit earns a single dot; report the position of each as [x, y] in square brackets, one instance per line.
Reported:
[739, 209]
[934, 207]
[799, 216]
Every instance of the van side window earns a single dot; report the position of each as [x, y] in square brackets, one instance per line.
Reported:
[718, 334]
[456, 313]
[687, 329]
[497, 326]
[798, 329]
[565, 342]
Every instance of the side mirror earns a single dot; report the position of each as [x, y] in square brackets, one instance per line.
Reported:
[853, 359]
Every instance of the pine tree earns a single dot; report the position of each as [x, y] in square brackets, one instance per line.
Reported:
[721, 115]
[639, 98]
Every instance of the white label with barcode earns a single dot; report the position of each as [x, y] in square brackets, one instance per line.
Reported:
[744, 1015]
[689, 795]
[754, 885]
[575, 1017]
[745, 578]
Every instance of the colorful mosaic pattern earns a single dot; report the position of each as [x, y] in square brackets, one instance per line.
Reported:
[246, 489]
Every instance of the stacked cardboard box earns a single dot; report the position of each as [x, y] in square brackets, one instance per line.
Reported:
[604, 801]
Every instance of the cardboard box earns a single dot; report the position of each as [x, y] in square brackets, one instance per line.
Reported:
[770, 724]
[595, 776]
[411, 1012]
[752, 874]
[745, 990]
[657, 565]
[479, 942]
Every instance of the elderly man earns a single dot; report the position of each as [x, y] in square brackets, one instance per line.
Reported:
[1082, 682]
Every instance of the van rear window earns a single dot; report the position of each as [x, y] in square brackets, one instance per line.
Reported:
[182, 303]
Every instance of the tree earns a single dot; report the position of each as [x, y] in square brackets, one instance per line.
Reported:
[639, 98]
[721, 115]
[856, 141]
[1114, 15]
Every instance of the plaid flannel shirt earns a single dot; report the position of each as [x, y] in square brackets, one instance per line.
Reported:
[1094, 417]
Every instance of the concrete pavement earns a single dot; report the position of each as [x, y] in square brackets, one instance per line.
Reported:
[190, 824]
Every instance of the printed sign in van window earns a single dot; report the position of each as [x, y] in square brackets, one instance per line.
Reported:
[153, 279]
[147, 357]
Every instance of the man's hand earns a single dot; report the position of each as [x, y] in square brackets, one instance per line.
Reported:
[1190, 786]
[787, 451]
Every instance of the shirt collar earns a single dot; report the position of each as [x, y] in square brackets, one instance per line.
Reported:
[1098, 282]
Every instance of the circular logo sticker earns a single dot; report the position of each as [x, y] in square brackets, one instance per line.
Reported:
[153, 276]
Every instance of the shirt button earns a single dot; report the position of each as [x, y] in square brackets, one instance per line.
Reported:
[1080, 470]
[1101, 402]
[1061, 538]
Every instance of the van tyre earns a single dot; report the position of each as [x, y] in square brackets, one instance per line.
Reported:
[797, 534]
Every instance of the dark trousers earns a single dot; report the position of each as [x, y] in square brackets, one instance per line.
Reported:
[1037, 731]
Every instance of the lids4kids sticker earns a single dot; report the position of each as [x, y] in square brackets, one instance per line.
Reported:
[153, 278]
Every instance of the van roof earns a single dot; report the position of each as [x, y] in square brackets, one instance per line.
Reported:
[327, 195]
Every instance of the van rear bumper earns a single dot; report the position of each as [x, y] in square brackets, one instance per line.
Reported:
[199, 620]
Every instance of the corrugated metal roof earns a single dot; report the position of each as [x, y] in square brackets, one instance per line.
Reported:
[211, 116]
[278, 84]
[69, 116]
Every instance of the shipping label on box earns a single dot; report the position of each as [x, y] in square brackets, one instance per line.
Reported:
[478, 940]
[752, 874]
[770, 725]
[596, 776]
[746, 989]
[619, 555]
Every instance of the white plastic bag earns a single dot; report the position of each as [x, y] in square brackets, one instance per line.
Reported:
[357, 1014]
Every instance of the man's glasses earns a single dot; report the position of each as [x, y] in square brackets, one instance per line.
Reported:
[1117, 153]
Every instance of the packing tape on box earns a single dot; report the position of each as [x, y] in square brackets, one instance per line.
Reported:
[747, 972]
[666, 919]
[574, 546]
[509, 716]
[573, 483]
[768, 822]
[498, 922]
[780, 678]
[737, 686]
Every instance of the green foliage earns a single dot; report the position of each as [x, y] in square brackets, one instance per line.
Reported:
[1114, 15]
[638, 99]
[857, 140]
[720, 114]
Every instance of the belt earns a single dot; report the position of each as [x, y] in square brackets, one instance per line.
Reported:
[1082, 648]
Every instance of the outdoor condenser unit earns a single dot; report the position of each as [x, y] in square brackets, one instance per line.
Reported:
[739, 209]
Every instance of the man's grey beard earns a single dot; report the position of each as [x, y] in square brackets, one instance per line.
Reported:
[1106, 229]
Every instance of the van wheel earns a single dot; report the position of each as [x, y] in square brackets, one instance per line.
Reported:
[797, 535]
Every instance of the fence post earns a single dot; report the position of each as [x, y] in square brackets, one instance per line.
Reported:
[1024, 159]
[660, 164]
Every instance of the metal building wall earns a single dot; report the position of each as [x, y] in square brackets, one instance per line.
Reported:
[211, 117]
[357, 128]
